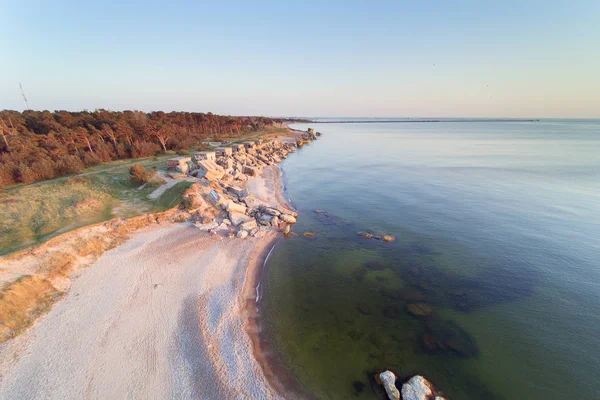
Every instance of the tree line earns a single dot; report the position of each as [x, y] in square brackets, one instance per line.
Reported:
[38, 145]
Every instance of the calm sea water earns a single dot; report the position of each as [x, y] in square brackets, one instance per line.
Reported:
[498, 232]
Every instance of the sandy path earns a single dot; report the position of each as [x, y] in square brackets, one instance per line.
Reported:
[158, 317]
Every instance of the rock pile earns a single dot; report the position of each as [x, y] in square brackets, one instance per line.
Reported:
[384, 237]
[307, 137]
[240, 161]
[416, 388]
[222, 207]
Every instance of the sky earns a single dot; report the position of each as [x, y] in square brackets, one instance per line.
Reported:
[306, 58]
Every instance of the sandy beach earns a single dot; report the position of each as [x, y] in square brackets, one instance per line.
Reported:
[163, 315]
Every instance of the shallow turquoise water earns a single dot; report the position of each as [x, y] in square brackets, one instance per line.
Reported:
[498, 231]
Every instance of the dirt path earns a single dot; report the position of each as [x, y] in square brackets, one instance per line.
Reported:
[158, 317]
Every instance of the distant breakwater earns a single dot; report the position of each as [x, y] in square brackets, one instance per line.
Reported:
[424, 120]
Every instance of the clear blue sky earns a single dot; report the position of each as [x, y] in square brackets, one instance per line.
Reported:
[325, 58]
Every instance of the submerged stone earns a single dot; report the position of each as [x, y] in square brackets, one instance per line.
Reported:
[419, 310]
[447, 337]
[364, 309]
[358, 386]
[309, 234]
[393, 311]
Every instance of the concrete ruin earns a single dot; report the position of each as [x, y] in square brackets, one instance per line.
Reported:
[179, 164]
[223, 151]
[205, 155]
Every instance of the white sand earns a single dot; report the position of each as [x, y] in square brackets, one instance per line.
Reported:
[161, 316]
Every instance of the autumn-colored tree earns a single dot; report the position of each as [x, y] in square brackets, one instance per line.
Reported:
[36, 145]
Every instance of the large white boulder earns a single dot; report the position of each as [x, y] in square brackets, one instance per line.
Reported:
[237, 218]
[236, 207]
[287, 218]
[417, 388]
[389, 383]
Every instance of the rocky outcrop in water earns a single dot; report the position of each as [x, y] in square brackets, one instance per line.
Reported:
[416, 388]
[388, 380]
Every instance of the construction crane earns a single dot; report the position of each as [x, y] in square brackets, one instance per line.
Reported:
[24, 98]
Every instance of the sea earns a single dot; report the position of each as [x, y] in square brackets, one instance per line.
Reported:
[491, 288]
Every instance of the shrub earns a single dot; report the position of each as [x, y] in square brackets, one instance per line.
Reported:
[139, 175]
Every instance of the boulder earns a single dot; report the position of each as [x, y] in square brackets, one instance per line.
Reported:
[235, 207]
[238, 191]
[249, 170]
[242, 234]
[206, 227]
[388, 379]
[252, 203]
[417, 388]
[287, 218]
[287, 229]
[272, 211]
[287, 212]
[388, 238]
[419, 310]
[249, 225]
[237, 218]
[265, 219]
[309, 234]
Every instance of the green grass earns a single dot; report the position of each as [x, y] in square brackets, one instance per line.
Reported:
[171, 196]
[30, 214]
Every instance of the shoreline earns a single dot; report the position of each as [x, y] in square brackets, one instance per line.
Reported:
[149, 278]
[280, 379]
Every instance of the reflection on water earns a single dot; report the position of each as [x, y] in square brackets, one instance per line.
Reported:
[490, 289]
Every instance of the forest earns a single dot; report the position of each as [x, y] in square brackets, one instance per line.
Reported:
[39, 145]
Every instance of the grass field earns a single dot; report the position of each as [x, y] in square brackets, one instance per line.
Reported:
[33, 213]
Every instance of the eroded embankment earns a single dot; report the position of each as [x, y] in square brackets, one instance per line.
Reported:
[40, 276]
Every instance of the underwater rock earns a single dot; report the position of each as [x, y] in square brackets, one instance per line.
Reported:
[355, 335]
[417, 388]
[388, 380]
[309, 234]
[364, 309]
[360, 274]
[358, 386]
[375, 265]
[393, 312]
[366, 235]
[419, 310]
[388, 238]
[447, 337]
[287, 229]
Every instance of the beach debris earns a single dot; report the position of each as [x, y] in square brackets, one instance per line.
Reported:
[388, 380]
[309, 234]
[419, 310]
